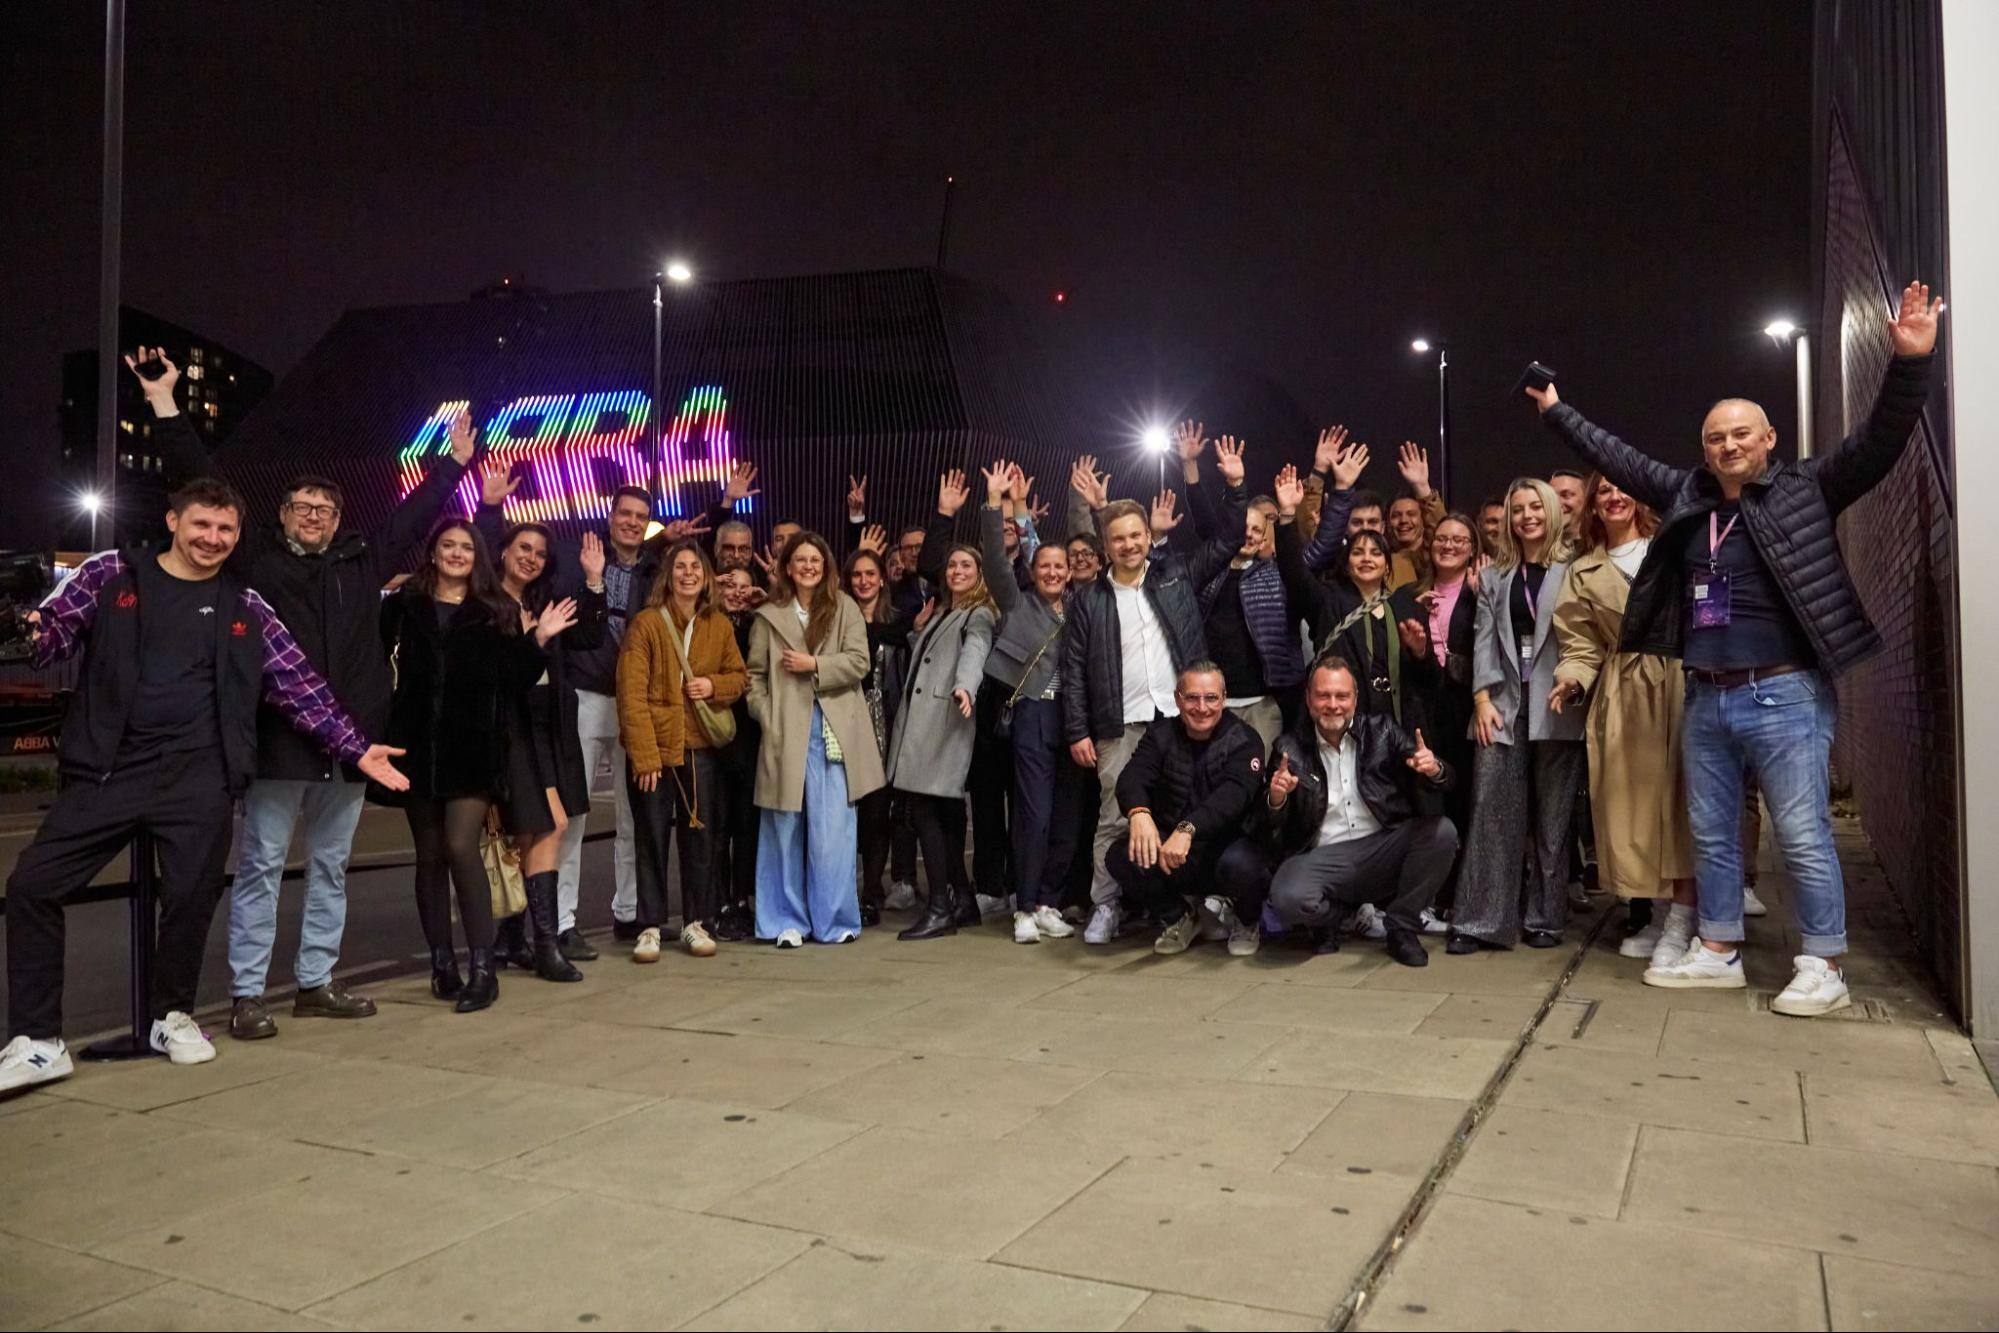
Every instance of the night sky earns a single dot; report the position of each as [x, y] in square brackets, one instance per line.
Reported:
[1282, 191]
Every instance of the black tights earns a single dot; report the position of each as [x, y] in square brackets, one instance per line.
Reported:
[940, 831]
[446, 834]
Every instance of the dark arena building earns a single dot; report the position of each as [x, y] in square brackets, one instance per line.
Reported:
[895, 374]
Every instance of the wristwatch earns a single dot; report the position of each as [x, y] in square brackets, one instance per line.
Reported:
[1185, 826]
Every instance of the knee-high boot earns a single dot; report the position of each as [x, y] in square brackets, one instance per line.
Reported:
[549, 964]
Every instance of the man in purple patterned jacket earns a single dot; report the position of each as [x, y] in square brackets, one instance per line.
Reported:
[160, 737]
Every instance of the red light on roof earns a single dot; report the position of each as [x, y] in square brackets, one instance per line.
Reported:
[1061, 298]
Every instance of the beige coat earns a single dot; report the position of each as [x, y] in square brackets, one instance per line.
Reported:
[1637, 795]
[781, 702]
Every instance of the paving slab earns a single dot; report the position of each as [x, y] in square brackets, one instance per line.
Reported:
[1476, 1264]
[319, 1104]
[1546, 1159]
[1770, 1040]
[1725, 1097]
[1293, 1243]
[1180, 1119]
[885, 1287]
[1379, 1133]
[1616, 1022]
[1200, 1049]
[1163, 998]
[901, 1187]
[660, 1004]
[493, 1121]
[810, 1015]
[1491, 1017]
[962, 1026]
[1958, 1122]
[145, 1085]
[1518, 972]
[1164, 1313]
[1905, 1210]
[591, 1262]
[1454, 1067]
[1358, 1010]
[947, 1094]
[1865, 1295]
[41, 1284]
[173, 1306]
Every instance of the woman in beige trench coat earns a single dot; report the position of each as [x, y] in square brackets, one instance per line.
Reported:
[1644, 848]
[808, 655]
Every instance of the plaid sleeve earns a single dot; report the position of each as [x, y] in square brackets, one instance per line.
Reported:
[69, 611]
[293, 688]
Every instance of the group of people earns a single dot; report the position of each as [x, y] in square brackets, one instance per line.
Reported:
[1295, 715]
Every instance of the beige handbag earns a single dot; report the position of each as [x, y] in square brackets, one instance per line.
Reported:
[503, 871]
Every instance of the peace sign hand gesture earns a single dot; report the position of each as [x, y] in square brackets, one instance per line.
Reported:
[857, 496]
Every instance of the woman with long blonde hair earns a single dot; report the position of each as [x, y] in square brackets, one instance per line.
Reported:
[1530, 757]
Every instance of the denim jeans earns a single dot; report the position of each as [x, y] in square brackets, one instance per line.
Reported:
[805, 858]
[597, 728]
[328, 812]
[1780, 731]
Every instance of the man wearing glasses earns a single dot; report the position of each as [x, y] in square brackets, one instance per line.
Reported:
[325, 585]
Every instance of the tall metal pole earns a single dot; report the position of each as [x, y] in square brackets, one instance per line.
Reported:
[1444, 424]
[658, 316]
[109, 242]
[1804, 395]
[944, 224]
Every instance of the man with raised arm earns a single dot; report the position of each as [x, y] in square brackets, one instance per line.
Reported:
[1745, 583]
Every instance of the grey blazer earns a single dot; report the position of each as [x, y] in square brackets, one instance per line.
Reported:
[931, 751]
[1496, 658]
[1026, 623]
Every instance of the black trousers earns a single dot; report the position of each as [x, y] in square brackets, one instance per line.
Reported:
[736, 843]
[1398, 869]
[657, 815]
[1082, 836]
[989, 784]
[1047, 783]
[876, 815]
[940, 831]
[1166, 897]
[181, 799]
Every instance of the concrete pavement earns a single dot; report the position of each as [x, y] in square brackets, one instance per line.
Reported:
[968, 1133]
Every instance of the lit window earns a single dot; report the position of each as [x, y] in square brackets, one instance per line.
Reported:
[125, 426]
[214, 408]
[194, 371]
[194, 355]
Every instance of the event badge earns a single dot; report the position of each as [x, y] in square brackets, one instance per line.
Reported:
[1709, 590]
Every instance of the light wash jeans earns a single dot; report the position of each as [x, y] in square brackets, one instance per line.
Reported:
[805, 858]
[1780, 731]
[272, 809]
[597, 728]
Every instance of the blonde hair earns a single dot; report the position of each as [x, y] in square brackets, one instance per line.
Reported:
[978, 594]
[1555, 549]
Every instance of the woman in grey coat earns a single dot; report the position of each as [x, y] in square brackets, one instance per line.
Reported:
[1530, 759]
[931, 752]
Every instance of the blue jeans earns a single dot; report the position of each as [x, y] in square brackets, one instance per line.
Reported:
[805, 858]
[1780, 731]
[329, 812]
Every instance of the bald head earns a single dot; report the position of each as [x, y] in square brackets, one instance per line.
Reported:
[1738, 405]
[1737, 439]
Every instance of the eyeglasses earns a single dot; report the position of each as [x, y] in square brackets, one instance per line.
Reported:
[1448, 542]
[300, 509]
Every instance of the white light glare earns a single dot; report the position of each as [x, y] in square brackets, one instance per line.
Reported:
[1157, 439]
[91, 503]
[1420, 345]
[1780, 329]
[679, 272]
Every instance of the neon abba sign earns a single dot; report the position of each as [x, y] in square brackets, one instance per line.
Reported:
[574, 450]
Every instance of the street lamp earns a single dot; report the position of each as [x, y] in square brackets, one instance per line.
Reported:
[92, 504]
[679, 272]
[1781, 331]
[1423, 347]
[676, 272]
[1159, 442]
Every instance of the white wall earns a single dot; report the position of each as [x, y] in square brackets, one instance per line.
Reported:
[1971, 130]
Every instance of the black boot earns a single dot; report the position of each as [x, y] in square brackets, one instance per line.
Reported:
[968, 905]
[510, 948]
[1406, 947]
[444, 979]
[483, 986]
[940, 918]
[547, 960]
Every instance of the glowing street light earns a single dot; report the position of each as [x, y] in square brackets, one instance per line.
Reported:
[1420, 346]
[1780, 332]
[91, 503]
[1157, 439]
[679, 272]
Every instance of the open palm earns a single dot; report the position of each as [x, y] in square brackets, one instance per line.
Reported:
[1913, 330]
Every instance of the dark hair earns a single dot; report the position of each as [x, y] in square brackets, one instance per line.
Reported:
[1491, 502]
[210, 493]
[819, 620]
[639, 493]
[307, 481]
[535, 596]
[1566, 472]
[914, 527]
[661, 593]
[1088, 539]
[1366, 500]
[1592, 532]
[1330, 662]
[884, 610]
[785, 523]
[482, 588]
[1203, 667]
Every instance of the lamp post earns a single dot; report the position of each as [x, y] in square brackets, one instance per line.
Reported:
[1782, 331]
[1160, 441]
[676, 272]
[1423, 347]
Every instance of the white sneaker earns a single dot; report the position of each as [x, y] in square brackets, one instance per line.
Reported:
[990, 906]
[697, 941]
[1103, 924]
[901, 897]
[845, 937]
[1217, 918]
[1819, 988]
[1368, 923]
[1048, 923]
[1645, 942]
[1700, 968]
[1751, 904]
[646, 950]
[790, 939]
[25, 1062]
[181, 1040]
[1176, 937]
[1025, 931]
[1243, 940]
[1431, 923]
[1674, 938]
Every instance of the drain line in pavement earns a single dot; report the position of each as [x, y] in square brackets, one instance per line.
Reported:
[1384, 1257]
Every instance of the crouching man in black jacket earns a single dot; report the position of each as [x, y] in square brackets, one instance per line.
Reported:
[1194, 775]
[1341, 810]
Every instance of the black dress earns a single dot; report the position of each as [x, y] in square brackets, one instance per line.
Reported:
[543, 749]
[458, 673]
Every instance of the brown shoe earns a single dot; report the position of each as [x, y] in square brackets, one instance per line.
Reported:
[249, 1020]
[332, 1000]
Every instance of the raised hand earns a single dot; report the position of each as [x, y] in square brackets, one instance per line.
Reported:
[1036, 510]
[1544, 398]
[1092, 485]
[1414, 465]
[1477, 567]
[952, 492]
[1348, 464]
[857, 495]
[1189, 439]
[461, 438]
[591, 558]
[997, 478]
[159, 392]
[924, 612]
[742, 483]
[1913, 329]
[1164, 520]
[1423, 761]
[680, 529]
[1288, 491]
[1415, 638]
[1228, 460]
[554, 618]
[766, 559]
[1332, 443]
[1018, 484]
[964, 702]
[1283, 781]
[874, 537]
[496, 483]
[376, 767]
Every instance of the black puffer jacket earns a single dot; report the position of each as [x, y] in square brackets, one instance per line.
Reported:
[1395, 792]
[1208, 784]
[1790, 517]
[1092, 653]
